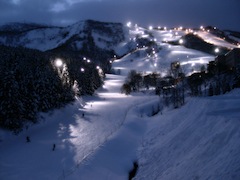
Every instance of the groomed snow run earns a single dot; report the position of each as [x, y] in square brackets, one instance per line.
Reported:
[99, 137]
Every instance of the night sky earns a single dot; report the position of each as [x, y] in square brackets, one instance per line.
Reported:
[224, 14]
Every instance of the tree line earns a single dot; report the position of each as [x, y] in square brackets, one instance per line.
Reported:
[213, 80]
[30, 83]
[171, 87]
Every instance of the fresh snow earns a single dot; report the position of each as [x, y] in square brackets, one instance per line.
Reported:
[212, 39]
[198, 141]
[48, 38]
[99, 137]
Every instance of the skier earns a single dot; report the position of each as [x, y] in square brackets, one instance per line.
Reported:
[28, 139]
[54, 146]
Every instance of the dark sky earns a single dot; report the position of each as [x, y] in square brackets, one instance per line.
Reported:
[224, 14]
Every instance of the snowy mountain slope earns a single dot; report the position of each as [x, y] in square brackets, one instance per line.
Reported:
[190, 60]
[168, 35]
[77, 137]
[99, 137]
[233, 35]
[46, 38]
[210, 38]
[194, 142]
[84, 34]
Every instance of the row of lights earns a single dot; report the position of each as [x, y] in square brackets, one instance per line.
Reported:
[216, 50]
[181, 41]
[59, 63]
[129, 24]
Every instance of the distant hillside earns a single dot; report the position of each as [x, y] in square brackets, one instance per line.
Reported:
[195, 42]
[16, 28]
[32, 82]
[228, 36]
[93, 39]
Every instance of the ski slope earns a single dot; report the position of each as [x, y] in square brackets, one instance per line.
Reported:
[76, 137]
[99, 137]
[198, 141]
[210, 38]
[191, 60]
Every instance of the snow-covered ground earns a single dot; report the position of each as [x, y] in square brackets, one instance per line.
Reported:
[198, 141]
[190, 60]
[76, 136]
[99, 137]
[210, 38]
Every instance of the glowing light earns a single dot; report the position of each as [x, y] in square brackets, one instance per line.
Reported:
[82, 69]
[110, 62]
[217, 50]
[155, 64]
[159, 27]
[165, 28]
[176, 33]
[84, 59]
[180, 28]
[201, 27]
[88, 60]
[150, 27]
[98, 67]
[129, 24]
[58, 63]
[181, 41]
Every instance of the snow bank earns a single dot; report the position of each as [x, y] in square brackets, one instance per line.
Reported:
[198, 141]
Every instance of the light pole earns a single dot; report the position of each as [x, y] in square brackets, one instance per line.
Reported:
[59, 64]
[181, 41]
